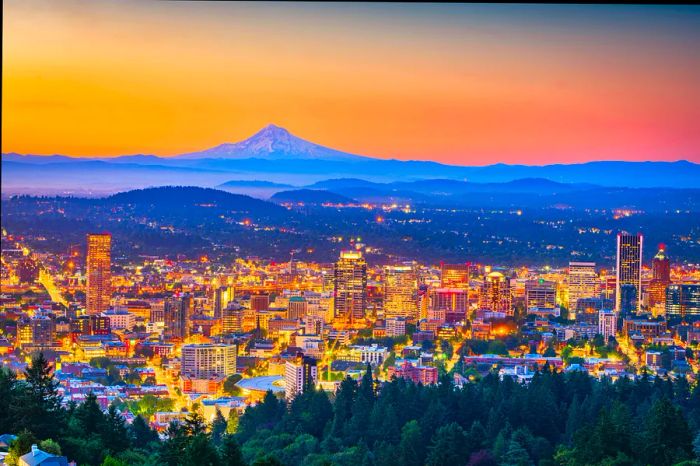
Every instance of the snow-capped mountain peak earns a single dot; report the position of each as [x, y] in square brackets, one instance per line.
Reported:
[275, 143]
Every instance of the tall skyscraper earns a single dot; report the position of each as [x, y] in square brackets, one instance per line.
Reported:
[661, 277]
[454, 275]
[583, 283]
[177, 314]
[222, 296]
[400, 292]
[683, 300]
[299, 374]
[628, 286]
[495, 293]
[350, 286]
[99, 286]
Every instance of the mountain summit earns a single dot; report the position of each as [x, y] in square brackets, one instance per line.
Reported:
[273, 143]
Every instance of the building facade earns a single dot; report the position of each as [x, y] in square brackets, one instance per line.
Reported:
[629, 273]
[299, 374]
[400, 292]
[350, 286]
[209, 360]
[495, 293]
[583, 283]
[683, 300]
[99, 262]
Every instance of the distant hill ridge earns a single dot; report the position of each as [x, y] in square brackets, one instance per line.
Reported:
[191, 195]
[311, 196]
[278, 156]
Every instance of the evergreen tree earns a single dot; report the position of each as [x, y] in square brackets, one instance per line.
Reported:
[8, 396]
[667, 437]
[172, 450]
[268, 460]
[141, 433]
[410, 450]
[516, 455]
[115, 434]
[40, 403]
[218, 427]
[342, 409]
[384, 454]
[195, 424]
[89, 416]
[230, 452]
[200, 451]
[477, 436]
[447, 446]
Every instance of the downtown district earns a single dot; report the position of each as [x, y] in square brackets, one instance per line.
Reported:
[214, 336]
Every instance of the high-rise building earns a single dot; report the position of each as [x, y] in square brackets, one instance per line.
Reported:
[629, 273]
[450, 304]
[260, 302]
[400, 292]
[99, 287]
[607, 324]
[540, 294]
[209, 360]
[683, 300]
[232, 319]
[297, 308]
[395, 326]
[583, 283]
[496, 294]
[350, 286]
[454, 275]
[661, 277]
[177, 314]
[222, 296]
[38, 331]
[299, 374]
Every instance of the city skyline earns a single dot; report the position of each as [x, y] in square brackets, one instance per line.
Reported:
[325, 233]
[503, 83]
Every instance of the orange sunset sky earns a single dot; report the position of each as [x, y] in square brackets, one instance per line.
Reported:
[460, 84]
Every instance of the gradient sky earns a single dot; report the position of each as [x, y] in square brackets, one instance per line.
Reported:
[462, 84]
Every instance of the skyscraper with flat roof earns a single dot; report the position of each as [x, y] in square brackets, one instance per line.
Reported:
[350, 286]
[400, 292]
[583, 283]
[496, 294]
[99, 261]
[454, 275]
[628, 287]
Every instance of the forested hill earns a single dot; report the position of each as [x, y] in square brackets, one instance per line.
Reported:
[177, 197]
[558, 419]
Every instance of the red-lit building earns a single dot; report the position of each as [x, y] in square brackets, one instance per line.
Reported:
[418, 374]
